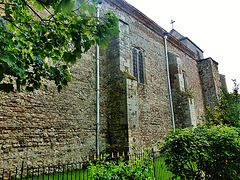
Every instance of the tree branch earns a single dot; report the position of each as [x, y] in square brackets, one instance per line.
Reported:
[8, 20]
[33, 10]
[8, 4]
[52, 15]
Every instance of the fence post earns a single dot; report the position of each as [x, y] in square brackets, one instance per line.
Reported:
[16, 173]
[71, 169]
[3, 175]
[67, 170]
[38, 171]
[22, 170]
[49, 170]
[27, 171]
[10, 169]
[153, 162]
[43, 170]
[63, 172]
[33, 167]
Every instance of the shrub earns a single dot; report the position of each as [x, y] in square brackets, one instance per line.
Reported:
[135, 168]
[210, 152]
[227, 108]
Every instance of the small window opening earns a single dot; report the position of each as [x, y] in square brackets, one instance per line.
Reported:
[184, 80]
[138, 69]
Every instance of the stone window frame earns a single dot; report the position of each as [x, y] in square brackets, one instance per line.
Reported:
[185, 83]
[138, 64]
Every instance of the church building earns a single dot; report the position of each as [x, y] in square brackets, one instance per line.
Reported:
[151, 81]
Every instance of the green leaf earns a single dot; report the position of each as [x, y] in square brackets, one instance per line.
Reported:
[48, 39]
[7, 60]
[66, 6]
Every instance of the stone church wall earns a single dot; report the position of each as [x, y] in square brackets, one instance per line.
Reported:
[210, 79]
[153, 96]
[187, 90]
[147, 105]
[47, 125]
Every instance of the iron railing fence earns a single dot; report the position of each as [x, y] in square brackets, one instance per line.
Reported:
[75, 170]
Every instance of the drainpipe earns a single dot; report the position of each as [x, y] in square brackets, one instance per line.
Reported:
[168, 78]
[97, 90]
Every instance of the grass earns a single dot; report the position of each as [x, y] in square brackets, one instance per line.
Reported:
[161, 171]
[74, 173]
[71, 173]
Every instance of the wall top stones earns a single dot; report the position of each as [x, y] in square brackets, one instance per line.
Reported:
[187, 42]
[209, 59]
[139, 16]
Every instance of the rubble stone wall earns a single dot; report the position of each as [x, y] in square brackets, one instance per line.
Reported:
[210, 79]
[47, 125]
[192, 93]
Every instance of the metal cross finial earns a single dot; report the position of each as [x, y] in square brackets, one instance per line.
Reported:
[172, 21]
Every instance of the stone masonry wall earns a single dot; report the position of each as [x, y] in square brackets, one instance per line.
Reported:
[153, 97]
[183, 102]
[47, 125]
[210, 79]
[216, 77]
[193, 106]
[223, 81]
[116, 101]
[148, 106]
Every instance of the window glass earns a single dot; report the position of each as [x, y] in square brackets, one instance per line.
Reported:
[140, 64]
[138, 69]
[135, 64]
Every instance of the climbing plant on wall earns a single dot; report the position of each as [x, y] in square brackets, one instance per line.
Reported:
[42, 39]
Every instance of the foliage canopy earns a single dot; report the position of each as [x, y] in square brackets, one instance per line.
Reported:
[36, 46]
[227, 109]
[133, 169]
[210, 152]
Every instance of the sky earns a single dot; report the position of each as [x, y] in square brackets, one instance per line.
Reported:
[213, 25]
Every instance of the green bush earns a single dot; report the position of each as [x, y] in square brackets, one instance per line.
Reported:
[227, 109]
[203, 152]
[135, 168]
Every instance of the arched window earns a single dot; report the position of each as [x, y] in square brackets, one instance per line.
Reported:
[184, 80]
[138, 69]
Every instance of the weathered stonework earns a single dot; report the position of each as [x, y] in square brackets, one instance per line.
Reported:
[210, 79]
[46, 125]
[183, 95]
[223, 81]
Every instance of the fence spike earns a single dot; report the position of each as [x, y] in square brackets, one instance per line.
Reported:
[123, 154]
[44, 163]
[72, 160]
[88, 158]
[10, 167]
[101, 156]
[94, 158]
[54, 162]
[34, 164]
[112, 155]
[129, 155]
[117, 154]
[63, 160]
[80, 159]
